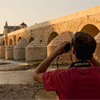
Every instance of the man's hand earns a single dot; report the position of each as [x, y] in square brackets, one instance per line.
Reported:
[60, 49]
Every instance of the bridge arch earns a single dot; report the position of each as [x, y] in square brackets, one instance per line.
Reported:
[10, 42]
[31, 39]
[19, 38]
[91, 29]
[51, 37]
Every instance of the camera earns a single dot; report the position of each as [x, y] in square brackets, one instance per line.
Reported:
[67, 47]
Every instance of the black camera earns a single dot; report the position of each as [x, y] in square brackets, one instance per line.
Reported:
[67, 47]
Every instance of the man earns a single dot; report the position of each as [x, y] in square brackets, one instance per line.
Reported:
[82, 79]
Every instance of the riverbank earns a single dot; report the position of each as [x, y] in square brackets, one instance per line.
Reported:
[16, 82]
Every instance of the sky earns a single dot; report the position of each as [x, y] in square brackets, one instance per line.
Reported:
[36, 11]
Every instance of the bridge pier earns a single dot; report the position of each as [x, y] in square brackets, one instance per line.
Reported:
[2, 51]
[36, 50]
[64, 58]
[9, 52]
[19, 50]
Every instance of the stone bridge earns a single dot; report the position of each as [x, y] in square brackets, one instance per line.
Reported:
[37, 41]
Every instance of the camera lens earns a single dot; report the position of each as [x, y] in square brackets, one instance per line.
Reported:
[67, 47]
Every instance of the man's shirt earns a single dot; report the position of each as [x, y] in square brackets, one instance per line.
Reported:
[74, 83]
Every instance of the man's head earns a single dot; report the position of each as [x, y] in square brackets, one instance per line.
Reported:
[84, 45]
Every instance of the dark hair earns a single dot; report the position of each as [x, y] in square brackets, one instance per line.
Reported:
[84, 45]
